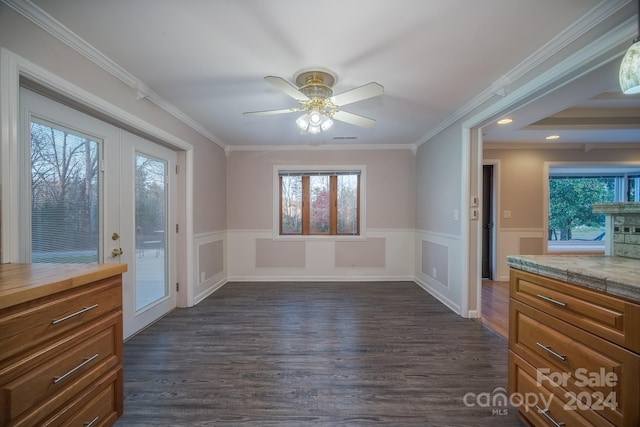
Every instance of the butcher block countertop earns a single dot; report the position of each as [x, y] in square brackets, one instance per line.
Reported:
[613, 275]
[25, 282]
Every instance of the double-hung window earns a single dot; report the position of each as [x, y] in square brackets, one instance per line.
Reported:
[319, 202]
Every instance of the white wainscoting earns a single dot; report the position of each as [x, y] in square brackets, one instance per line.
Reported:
[320, 258]
[509, 244]
[205, 286]
[449, 293]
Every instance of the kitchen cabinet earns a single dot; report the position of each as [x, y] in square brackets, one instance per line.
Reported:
[574, 353]
[60, 344]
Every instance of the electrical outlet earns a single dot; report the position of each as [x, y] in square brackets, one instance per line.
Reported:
[434, 273]
[203, 277]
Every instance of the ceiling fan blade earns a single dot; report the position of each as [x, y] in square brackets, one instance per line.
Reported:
[271, 112]
[353, 119]
[358, 94]
[287, 88]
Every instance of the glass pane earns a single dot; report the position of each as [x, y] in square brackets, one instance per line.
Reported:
[151, 229]
[634, 189]
[348, 204]
[291, 204]
[65, 219]
[570, 212]
[319, 199]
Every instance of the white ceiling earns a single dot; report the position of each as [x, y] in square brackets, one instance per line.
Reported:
[207, 58]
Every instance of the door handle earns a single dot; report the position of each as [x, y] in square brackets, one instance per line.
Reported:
[116, 252]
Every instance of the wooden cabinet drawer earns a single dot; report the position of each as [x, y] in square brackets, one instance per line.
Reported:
[541, 404]
[612, 318]
[29, 324]
[95, 407]
[32, 388]
[576, 360]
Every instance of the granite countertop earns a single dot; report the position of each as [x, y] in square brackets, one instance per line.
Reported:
[612, 275]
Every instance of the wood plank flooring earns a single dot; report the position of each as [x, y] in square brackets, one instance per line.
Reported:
[297, 354]
[495, 306]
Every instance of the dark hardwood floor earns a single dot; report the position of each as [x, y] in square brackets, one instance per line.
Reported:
[297, 354]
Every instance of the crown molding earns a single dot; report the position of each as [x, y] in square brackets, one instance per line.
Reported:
[580, 146]
[45, 21]
[597, 15]
[572, 33]
[328, 147]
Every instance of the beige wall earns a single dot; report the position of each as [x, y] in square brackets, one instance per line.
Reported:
[521, 190]
[390, 185]
[438, 183]
[386, 254]
[439, 174]
[521, 186]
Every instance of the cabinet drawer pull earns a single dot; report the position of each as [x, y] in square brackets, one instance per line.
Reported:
[549, 417]
[92, 422]
[551, 300]
[548, 349]
[77, 313]
[87, 360]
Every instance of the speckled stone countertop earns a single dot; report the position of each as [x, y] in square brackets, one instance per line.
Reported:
[613, 275]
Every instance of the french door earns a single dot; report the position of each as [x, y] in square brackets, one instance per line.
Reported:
[148, 199]
[94, 193]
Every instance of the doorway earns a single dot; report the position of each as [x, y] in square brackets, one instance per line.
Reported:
[488, 221]
[94, 193]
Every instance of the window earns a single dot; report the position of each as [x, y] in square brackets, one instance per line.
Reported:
[319, 202]
[572, 191]
[65, 190]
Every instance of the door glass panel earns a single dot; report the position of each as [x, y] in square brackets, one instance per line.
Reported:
[151, 229]
[319, 195]
[65, 211]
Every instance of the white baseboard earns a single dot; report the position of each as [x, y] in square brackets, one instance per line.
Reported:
[320, 278]
[211, 289]
[430, 289]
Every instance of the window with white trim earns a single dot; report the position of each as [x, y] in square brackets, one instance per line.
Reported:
[319, 202]
[572, 226]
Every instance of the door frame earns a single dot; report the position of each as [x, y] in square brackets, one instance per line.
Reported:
[12, 69]
[609, 47]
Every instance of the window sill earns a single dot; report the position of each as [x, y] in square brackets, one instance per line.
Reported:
[576, 248]
[319, 238]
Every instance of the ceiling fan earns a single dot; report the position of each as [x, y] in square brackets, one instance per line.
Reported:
[313, 91]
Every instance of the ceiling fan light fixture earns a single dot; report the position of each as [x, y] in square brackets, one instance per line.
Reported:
[630, 66]
[315, 117]
[303, 122]
[314, 129]
[326, 123]
[630, 69]
[313, 89]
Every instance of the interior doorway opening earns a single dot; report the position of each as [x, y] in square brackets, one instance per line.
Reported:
[488, 221]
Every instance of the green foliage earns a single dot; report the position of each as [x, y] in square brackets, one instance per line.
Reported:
[571, 200]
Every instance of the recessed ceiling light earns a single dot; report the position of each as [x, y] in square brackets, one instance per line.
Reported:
[505, 121]
[550, 137]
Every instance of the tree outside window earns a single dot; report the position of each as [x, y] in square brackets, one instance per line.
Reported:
[319, 203]
[572, 192]
[570, 207]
